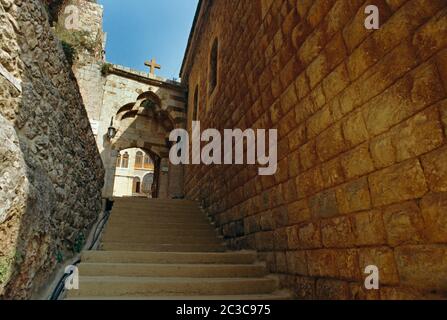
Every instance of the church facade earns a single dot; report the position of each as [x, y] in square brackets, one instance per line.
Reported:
[141, 107]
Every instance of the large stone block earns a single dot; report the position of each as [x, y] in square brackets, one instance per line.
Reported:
[332, 173]
[418, 135]
[321, 263]
[404, 224]
[415, 91]
[383, 258]
[347, 263]
[355, 32]
[328, 289]
[331, 143]
[401, 182]
[319, 122]
[309, 236]
[308, 155]
[357, 162]
[382, 151]
[429, 38]
[354, 129]
[435, 169]
[353, 196]
[297, 262]
[324, 204]
[434, 213]
[304, 287]
[369, 228]
[292, 237]
[423, 266]
[309, 182]
[298, 212]
[337, 233]
[336, 81]
[289, 99]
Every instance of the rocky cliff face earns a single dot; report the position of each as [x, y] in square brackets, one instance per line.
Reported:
[51, 174]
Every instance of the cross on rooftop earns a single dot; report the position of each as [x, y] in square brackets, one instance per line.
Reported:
[152, 65]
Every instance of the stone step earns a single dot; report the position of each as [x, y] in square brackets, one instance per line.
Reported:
[178, 230]
[281, 295]
[141, 286]
[156, 208]
[144, 206]
[134, 214]
[240, 257]
[154, 200]
[173, 270]
[167, 247]
[125, 224]
[161, 239]
[158, 219]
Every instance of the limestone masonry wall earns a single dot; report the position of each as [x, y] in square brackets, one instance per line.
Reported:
[51, 174]
[362, 123]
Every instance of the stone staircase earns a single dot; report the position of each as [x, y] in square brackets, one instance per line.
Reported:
[167, 249]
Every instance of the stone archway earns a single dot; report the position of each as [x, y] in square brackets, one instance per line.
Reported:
[146, 124]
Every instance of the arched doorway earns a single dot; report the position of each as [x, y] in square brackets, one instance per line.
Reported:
[136, 173]
[136, 186]
[147, 185]
[145, 125]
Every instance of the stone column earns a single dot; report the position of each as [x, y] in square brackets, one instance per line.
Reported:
[176, 180]
[109, 159]
[164, 179]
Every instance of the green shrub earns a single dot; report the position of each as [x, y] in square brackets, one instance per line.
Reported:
[105, 69]
[5, 268]
[70, 52]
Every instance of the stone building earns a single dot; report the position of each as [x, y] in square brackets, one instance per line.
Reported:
[142, 107]
[361, 119]
[134, 176]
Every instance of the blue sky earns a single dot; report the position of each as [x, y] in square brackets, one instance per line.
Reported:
[138, 30]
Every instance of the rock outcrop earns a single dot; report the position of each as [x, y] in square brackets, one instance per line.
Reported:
[51, 173]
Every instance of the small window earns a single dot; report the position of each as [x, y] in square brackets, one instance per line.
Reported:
[125, 162]
[118, 160]
[148, 164]
[213, 68]
[196, 104]
[148, 180]
[139, 160]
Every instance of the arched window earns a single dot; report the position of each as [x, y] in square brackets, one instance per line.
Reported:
[196, 104]
[148, 164]
[148, 180]
[213, 67]
[125, 162]
[139, 160]
[118, 160]
[136, 185]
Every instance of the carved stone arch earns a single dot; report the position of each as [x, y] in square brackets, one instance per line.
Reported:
[127, 107]
[150, 95]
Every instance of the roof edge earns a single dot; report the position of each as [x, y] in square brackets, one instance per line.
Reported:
[191, 35]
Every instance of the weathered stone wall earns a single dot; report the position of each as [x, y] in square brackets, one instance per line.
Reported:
[362, 152]
[50, 170]
[89, 44]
